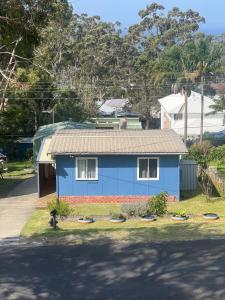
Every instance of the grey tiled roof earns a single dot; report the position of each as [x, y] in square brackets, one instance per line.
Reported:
[116, 142]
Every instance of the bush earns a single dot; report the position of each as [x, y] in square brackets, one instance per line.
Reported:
[200, 153]
[63, 209]
[158, 204]
[117, 216]
[217, 154]
[29, 154]
[135, 209]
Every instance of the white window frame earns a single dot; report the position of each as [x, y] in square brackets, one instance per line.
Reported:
[150, 178]
[76, 171]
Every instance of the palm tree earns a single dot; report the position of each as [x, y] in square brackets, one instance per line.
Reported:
[219, 105]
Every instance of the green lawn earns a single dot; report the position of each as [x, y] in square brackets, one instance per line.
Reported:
[96, 209]
[134, 230]
[220, 167]
[17, 171]
[21, 168]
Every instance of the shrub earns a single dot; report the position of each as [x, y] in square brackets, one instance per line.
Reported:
[180, 214]
[217, 154]
[63, 209]
[29, 154]
[158, 204]
[135, 209]
[117, 216]
[200, 153]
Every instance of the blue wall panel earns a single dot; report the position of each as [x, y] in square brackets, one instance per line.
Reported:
[117, 175]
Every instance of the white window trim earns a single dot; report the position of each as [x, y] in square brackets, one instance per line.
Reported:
[148, 179]
[76, 169]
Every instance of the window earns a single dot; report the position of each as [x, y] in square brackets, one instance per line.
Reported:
[178, 116]
[86, 169]
[148, 168]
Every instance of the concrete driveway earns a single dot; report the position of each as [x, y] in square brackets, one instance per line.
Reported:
[16, 208]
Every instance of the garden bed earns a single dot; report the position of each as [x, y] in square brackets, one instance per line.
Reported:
[134, 229]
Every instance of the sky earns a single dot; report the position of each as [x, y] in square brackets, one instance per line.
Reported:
[126, 11]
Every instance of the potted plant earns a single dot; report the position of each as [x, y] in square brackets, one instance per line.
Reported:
[86, 220]
[117, 218]
[180, 216]
[210, 216]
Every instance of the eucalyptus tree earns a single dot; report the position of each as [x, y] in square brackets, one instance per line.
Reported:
[155, 33]
[21, 21]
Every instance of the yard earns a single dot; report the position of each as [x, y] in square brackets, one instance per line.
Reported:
[17, 171]
[133, 230]
[19, 168]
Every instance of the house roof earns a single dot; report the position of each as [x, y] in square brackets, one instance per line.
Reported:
[111, 105]
[117, 103]
[174, 103]
[43, 156]
[108, 142]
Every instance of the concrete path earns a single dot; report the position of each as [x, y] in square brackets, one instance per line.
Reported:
[17, 207]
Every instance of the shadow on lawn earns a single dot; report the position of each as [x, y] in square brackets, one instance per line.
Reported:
[105, 270]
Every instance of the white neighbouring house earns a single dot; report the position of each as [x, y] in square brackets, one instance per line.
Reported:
[172, 114]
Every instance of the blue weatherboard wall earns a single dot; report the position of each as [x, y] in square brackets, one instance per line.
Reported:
[117, 175]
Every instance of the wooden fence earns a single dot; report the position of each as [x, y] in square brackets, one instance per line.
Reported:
[217, 180]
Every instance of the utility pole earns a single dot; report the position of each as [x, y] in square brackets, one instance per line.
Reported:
[185, 114]
[202, 109]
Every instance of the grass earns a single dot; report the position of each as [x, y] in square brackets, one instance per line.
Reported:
[96, 209]
[133, 230]
[219, 166]
[199, 204]
[17, 171]
[20, 168]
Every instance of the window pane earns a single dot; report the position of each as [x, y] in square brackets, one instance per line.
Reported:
[143, 168]
[153, 168]
[91, 168]
[81, 166]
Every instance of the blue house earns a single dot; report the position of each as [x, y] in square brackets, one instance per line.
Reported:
[116, 165]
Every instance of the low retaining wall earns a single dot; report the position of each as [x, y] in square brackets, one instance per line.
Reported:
[108, 199]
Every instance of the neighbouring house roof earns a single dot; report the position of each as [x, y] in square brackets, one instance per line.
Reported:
[108, 107]
[108, 142]
[43, 156]
[48, 130]
[117, 103]
[25, 140]
[174, 103]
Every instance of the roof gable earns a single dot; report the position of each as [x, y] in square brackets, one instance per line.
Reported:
[174, 103]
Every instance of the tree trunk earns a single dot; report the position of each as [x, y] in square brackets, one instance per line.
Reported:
[185, 116]
[202, 109]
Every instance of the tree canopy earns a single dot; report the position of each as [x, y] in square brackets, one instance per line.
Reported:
[53, 58]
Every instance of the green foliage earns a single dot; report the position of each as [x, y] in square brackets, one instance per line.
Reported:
[217, 154]
[200, 153]
[29, 154]
[117, 216]
[181, 213]
[69, 61]
[63, 209]
[87, 217]
[135, 209]
[219, 105]
[158, 204]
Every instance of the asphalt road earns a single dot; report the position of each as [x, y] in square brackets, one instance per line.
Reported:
[103, 270]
